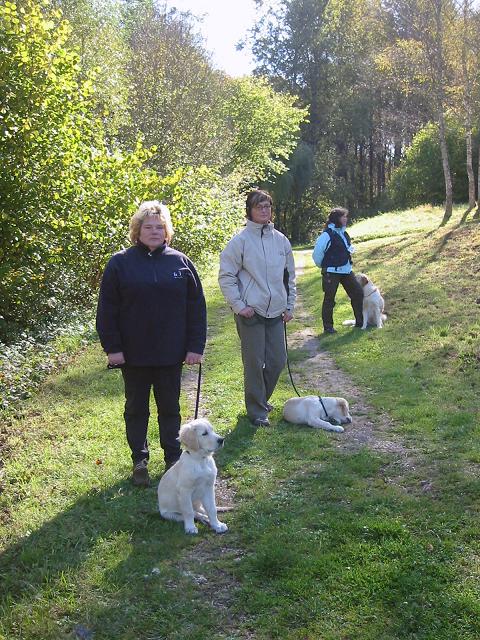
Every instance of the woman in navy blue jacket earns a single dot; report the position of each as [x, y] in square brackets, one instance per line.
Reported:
[151, 318]
[332, 253]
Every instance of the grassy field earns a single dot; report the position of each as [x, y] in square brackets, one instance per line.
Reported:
[326, 541]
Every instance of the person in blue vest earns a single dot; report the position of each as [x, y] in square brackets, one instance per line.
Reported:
[333, 255]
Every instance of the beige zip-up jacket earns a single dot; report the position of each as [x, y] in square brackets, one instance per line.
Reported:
[252, 269]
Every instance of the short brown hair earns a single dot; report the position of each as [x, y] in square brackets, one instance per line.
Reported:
[146, 209]
[334, 216]
[256, 196]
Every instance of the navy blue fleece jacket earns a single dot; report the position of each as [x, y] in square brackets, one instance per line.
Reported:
[151, 307]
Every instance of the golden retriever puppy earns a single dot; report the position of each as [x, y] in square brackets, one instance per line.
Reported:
[373, 303]
[187, 490]
[310, 410]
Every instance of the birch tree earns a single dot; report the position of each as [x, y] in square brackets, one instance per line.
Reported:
[425, 30]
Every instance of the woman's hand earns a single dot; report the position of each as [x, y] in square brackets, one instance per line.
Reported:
[287, 316]
[116, 359]
[247, 312]
[193, 358]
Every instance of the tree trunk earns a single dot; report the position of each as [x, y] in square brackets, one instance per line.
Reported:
[467, 97]
[361, 175]
[370, 169]
[471, 176]
[446, 168]
[477, 212]
[397, 154]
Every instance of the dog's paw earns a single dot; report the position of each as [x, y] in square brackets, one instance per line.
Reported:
[337, 428]
[220, 528]
[192, 531]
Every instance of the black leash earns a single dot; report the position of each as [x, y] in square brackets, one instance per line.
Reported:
[199, 382]
[288, 360]
[290, 372]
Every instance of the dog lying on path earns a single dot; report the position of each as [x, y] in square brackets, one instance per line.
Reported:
[316, 410]
[187, 490]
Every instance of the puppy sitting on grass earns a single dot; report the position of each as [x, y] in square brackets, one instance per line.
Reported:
[316, 411]
[187, 490]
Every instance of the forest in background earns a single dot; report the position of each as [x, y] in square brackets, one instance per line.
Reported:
[106, 104]
[370, 104]
[392, 91]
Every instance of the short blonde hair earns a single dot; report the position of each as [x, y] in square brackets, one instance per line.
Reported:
[146, 209]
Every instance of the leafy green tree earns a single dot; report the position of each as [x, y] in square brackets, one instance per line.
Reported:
[206, 209]
[424, 44]
[176, 100]
[98, 35]
[63, 191]
[264, 126]
[325, 52]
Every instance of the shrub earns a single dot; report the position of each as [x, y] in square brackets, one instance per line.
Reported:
[419, 178]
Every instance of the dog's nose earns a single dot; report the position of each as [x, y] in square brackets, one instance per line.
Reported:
[348, 420]
[220, 441]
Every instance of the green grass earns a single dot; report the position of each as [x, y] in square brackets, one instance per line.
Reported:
[324, 543]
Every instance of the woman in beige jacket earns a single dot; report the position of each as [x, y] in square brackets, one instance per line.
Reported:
[253, 278]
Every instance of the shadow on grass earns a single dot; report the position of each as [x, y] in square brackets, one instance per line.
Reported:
[238, 441]
[107, 543]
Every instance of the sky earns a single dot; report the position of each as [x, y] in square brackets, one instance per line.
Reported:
[225, 22]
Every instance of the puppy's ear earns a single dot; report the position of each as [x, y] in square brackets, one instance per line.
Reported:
[343, 405]
[363, 279]
[188, 436]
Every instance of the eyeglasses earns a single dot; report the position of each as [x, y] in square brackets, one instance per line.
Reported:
[265, 207]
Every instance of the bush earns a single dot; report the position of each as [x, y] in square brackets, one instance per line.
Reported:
[419, 178]
[206, 210]
[63, 191]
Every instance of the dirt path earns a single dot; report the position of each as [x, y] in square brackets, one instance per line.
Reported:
[369, 429]
[319, 371]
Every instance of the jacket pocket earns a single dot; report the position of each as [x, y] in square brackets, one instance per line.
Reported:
[244, 295]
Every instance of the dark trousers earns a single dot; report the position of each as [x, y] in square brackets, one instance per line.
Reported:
[330, 282]
[166, 389]
[264, 357]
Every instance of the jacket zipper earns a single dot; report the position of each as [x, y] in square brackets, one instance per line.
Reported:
[266, 272]
[153, 267]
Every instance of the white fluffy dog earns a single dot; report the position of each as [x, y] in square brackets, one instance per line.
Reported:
[310, 410]
[187, 490]
[373, 303]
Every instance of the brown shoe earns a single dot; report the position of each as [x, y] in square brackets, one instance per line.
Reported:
[140, 477]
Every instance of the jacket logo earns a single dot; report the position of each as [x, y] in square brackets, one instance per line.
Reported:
[177, 274]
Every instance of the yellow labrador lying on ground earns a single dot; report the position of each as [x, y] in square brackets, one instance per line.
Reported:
[316, 410]
[373, 304]
[187, 490]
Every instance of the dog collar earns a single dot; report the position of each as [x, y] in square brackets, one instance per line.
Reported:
[369, 294]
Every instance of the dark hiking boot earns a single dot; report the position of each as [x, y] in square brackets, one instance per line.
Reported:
[261, 422]
[140, 477]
